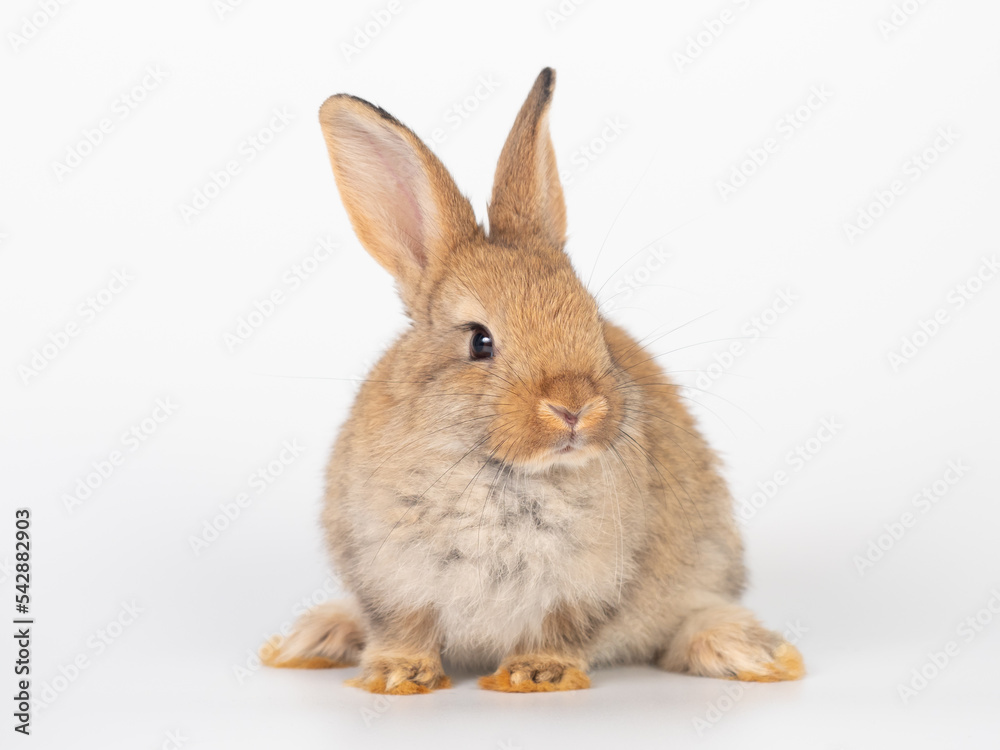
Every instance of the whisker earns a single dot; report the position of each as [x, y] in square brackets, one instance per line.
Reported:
[489, 492]
[676, 288]
[423, 436]
[420, 497]
[653, 462]
[650, 244]
[668, 373]
[639, 344]
[697, 343]
[693, 388]
[620, 520]
[615, 220]
[504, 431]
[680, 445]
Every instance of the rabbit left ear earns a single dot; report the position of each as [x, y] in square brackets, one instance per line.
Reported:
[527, 196]
[402, 202]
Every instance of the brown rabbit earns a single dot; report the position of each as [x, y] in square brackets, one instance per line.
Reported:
[518, 487]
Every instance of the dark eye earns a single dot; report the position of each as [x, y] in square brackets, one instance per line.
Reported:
[481, 343]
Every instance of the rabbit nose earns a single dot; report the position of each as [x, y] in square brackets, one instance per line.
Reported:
[567, 416]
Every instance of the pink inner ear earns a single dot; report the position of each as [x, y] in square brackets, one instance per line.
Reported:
[394, 181]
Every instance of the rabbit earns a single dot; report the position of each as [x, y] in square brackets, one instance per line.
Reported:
[518, 489]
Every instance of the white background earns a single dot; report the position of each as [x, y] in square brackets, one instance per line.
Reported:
[683, 128]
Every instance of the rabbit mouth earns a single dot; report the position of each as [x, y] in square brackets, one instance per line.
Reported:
[574, 448]
[571, 450]
[573, 442]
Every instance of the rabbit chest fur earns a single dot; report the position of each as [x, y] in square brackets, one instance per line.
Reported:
[491, 555]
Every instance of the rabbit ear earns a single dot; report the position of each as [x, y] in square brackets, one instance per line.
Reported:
[527, 195]
[403, 204]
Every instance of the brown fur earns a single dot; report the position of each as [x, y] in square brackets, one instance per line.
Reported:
[327, 636]
[405, 654]
[465, 515]
[527, 194]
[394, 673]
[535, 674]
[727, 641]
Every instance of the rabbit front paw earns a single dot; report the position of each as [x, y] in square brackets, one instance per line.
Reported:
[536, 674]
[401, 675]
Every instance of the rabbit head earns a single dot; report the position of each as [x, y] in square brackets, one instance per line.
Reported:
[500, 318]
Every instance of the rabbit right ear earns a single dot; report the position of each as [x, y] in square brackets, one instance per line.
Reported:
[527, 195]
[403, 204]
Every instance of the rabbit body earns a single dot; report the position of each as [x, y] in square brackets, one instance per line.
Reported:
[518, 486]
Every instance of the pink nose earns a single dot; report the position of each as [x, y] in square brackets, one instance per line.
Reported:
[567, 416]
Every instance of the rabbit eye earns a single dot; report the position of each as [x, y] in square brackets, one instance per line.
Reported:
[481, 343]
